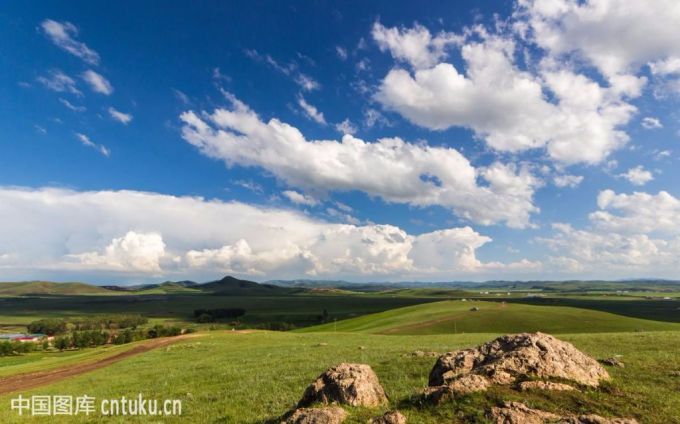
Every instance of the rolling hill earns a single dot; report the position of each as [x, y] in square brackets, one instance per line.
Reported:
[26, 288]
[449, 317]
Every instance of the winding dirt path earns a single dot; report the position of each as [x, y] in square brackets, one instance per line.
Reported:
[40, 378]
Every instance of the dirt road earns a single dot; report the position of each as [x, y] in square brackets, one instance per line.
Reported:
[35, 379]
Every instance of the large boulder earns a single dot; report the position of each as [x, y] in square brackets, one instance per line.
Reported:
[348, 384]
[389, 417]
[328, 415]
[507, 358]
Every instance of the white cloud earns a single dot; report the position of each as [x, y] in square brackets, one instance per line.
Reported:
[509, 108]
[415, 46]
[311, 111]
[651, 123]
[71, 106]
[131, 252]
[567, 180]
[249, 185]
[346, 127]
[638, 176]
[59, 82]
[373, 117]
[123, 118]
[149, 234]
[630, 235]
[637, 213]
[299, 198]
[341, 52]
[97, 82]
[89, 143]
[390, 168]
[62, 35]
[616, 36]
[291, 70]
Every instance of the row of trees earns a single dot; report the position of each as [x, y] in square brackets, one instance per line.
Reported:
[8, 348]
[83, 339]
[55, 326]
[214, 315]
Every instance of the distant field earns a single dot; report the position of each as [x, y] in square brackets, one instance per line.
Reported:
[455, 316]
[250, 378]
[299, 310]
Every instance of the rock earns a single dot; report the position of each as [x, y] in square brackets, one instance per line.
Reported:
[612, 362]
[674, 373]
[328, 415]
[465, 385]
[544, 385]
[596, 419]
[474, 309]
[349, 384]
[519, 413]
[390, 417]
[510, 357]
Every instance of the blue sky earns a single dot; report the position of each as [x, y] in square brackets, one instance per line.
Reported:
[370, 141]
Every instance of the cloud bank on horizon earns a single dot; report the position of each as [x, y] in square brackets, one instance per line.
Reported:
[538, 142]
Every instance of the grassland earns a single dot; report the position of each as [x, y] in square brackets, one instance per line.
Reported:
[455, 316]
[299, 310]
[251, 378]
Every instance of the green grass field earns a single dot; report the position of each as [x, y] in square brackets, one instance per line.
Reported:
[455, 316]
[251, 378]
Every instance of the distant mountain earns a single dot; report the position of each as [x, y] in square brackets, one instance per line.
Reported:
[233, 286]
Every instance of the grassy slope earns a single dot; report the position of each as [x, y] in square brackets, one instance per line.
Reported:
[450, 317]
[46, 287]
[249, 378]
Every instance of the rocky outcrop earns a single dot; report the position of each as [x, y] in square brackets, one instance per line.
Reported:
[348, 384]
[328, 415]
[389, 417]
[507, 358]
[464, 385]
[519, 413]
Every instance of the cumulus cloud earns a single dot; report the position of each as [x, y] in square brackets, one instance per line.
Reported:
[638, 176]
[346, 127]
[415, 46]
[630, 234]
[150, 234]
[89, 143]
[58, 81]
[616, 36]
[123, 118]
[637, 213]
[311, 111]
[510, 108]
[131, 252]
[567, 180]
[390, 168]
[97, 82]
[63, 34]
[299, 198]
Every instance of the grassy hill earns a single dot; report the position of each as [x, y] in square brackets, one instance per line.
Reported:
[455, 316]
[254, 378]
[46, 287]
